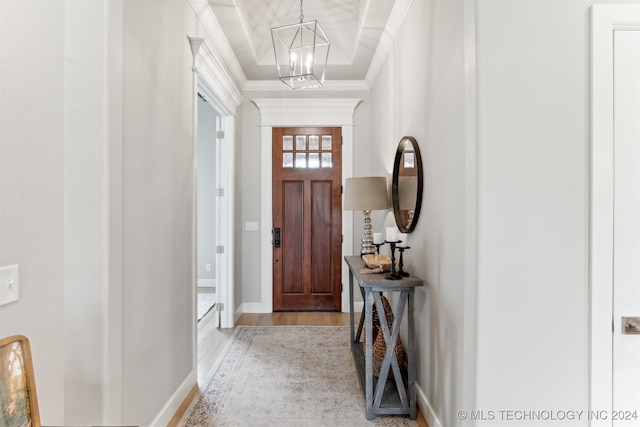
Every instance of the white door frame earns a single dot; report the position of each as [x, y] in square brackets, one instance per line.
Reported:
[605, 20]
[299, 113]
[206, 72]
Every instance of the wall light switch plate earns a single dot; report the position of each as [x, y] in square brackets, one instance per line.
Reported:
[250, 226]
[9, 284]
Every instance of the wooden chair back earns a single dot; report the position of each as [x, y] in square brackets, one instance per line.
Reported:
[18, 401]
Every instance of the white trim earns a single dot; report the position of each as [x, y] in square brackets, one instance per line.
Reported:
[470, 322]
[296, 113]
[332, 85]
[396, 18]
[605, 20]
[224, 60]
[306, 112]
[173, 404]
[206, 283]
[227, 215]
[426, 409]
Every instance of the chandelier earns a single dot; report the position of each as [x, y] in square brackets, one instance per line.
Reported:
[301, 52]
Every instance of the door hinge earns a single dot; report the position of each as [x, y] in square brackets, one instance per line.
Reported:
[220, 192]
[220, 134]
[220, 249]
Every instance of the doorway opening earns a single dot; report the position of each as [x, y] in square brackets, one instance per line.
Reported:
[208, 213]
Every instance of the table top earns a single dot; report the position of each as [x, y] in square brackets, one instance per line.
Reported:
[378, 281]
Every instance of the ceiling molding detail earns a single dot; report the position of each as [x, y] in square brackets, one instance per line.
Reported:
[218, 44]
[306, 112]
[398, 13]
[329, 85]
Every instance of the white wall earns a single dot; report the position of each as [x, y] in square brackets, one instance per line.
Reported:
[420, 91]
[533, 242]
[96, 187]
[32, 135]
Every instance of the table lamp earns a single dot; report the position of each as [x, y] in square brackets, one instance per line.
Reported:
[366, 194]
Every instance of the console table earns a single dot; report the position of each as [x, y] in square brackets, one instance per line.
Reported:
[387, 399]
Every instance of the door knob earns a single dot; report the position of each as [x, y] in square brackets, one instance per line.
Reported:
[631, 325]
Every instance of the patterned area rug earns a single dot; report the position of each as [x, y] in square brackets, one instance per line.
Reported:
[285, 376]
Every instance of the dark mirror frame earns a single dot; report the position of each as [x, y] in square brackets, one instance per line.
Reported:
[400, 214]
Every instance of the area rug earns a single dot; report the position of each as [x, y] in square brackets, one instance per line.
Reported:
[285, 376]
[206, 300]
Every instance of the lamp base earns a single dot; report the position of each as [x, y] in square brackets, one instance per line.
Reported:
[367, 247]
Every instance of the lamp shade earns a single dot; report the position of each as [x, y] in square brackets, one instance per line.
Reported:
[366, 194]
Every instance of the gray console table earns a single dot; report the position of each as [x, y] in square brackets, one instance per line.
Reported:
[387, 399]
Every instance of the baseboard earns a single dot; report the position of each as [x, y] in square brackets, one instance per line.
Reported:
[254, 307]
[357, 307]
[258, 307]
[426, 408]
[206, 283]
[175, 401]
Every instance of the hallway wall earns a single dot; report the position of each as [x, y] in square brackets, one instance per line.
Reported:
[96, 187]
[533, 211]
[420, 92]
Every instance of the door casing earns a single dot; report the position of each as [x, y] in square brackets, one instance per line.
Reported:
[326, 112]
[605, 20]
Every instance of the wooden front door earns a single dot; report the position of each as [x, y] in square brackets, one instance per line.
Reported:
[307, 219]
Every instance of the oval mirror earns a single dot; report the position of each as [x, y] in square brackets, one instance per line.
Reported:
[406, 187]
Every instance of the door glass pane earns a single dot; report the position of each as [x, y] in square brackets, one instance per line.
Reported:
[301, 160]
[326, 142]
[326, 160]
[287, 160]
[314, 142]
[301, 142]
[287, 142]
[314, 160]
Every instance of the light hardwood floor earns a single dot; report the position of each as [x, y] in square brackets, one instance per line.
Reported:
[211, 342]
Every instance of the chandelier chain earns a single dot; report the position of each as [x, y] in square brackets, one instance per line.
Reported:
[301, 13]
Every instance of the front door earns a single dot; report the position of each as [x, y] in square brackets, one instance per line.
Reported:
[307, 219]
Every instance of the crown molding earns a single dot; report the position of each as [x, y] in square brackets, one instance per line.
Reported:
[218, 43]
[329, 85]
[306, 112]
[396, 18]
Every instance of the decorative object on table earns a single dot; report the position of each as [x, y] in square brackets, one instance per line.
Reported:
[376, 270]
[379, 345]
[393, 275]
[377, 241]
[403, 239]
[392, 234]
[401, 271]
[366, 194]
[301, 52]
[377, 261]
[406, 186]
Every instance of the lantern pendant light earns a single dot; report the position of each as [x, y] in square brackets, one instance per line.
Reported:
[301, 52]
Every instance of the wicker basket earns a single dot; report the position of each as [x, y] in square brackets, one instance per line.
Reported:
[379, 346]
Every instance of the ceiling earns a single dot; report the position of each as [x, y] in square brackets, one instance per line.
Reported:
[355, 29]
